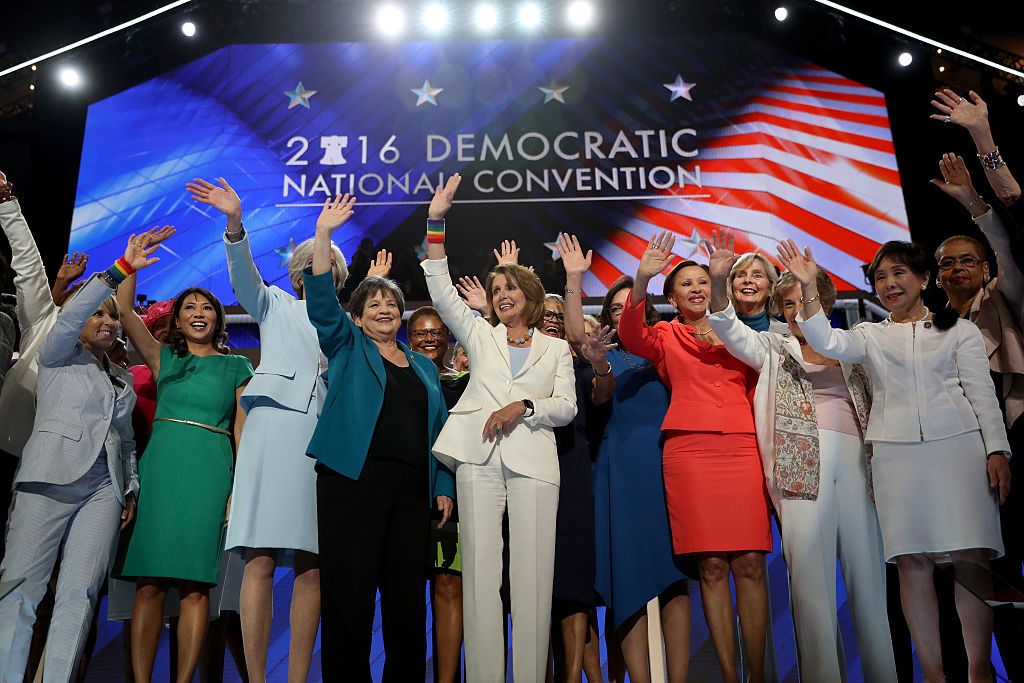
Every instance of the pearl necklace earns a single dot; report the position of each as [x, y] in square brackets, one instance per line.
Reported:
[927, 316]
[529, 336]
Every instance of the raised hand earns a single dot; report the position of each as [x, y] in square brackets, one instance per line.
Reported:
[474, 293]
[802, 265]
[335, 212]
[509, 252]
[443, 198]
[970, 114]
[72, 267]
[722, 248]
[596, 346]
[380, 266]
[657, 256]
[3, 178]
[573, 259]
[956, 179]
[139, 248]
[222, 198]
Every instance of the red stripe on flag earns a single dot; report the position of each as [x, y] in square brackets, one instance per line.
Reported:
[828, 95]
[841, 114]
[603, 270]
[819, 131]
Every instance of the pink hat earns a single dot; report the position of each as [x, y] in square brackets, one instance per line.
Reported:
[156, 312]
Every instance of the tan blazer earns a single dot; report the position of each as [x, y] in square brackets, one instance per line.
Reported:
[546, 378]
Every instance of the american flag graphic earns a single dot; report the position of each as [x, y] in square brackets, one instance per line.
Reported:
[810, 157]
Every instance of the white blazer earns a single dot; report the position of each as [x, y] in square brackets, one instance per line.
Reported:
[547, 378]
[926, 384]
[36, 315]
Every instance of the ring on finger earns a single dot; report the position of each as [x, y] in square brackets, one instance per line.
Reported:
[962, 99]
[948, 119]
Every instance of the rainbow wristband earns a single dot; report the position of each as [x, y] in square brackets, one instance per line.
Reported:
[435, 231]
[120, 270]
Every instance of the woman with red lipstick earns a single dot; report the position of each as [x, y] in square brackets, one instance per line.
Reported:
[714, 486]
[940, 464]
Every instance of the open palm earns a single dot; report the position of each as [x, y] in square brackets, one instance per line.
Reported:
[723, 253]
[597, 346]
[573, 259]
[222, 198]
[802, 265]
[657, 255]
[336, 212]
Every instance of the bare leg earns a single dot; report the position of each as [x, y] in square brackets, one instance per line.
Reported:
[592, 650]
[574, 637]
[147, 620]
[613, 644]
[976, 620]
[717, 602]
[921, 608]
[752, 605]
[675, 623]
[192, 623]
[304, 616]
[633, 635]
[256, 606]
[447, 606]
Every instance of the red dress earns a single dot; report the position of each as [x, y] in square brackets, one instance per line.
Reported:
[714, 484]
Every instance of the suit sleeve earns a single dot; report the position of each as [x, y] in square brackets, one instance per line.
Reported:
[637, 336]
[973, 369]
[60, 342]
[253, 295]
[745, 344]
[844, 345]
[559, 409]
[1011, 280]
[35, 303]
[444, 481]
[454, 311]
[130, 460]
[334, 329]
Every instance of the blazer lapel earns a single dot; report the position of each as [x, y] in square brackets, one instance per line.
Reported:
[539, 345]
[500, 334]
[374, 360]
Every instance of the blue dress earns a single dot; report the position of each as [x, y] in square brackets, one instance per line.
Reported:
[634, 548]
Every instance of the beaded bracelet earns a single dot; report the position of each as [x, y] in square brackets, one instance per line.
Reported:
[7, 192]
[435, 231]
[992, 161]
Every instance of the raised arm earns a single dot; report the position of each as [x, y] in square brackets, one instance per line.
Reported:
[70, 270]
[438, 209]
[742, 342]
[35, 302]
[972, 115]
[636, 335]
[334, 328]
[576, 263]
[1011, 279]
[135, 252]
[253, 295]
[657, 256]
[595, 349]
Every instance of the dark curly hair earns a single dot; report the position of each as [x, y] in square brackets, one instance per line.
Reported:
[921, 263]
[176, 338]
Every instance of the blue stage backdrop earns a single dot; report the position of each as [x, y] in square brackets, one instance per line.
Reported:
[613, 139]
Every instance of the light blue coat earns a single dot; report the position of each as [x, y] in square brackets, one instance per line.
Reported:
[78, 409]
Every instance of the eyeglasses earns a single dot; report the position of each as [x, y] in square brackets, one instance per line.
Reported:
[556, 317]
[433, 334]
[965, 261]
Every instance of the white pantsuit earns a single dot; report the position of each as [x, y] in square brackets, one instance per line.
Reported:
[75, 473]
[842, 521]
[518, 472]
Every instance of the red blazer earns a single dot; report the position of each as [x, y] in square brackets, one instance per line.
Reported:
[711, 391]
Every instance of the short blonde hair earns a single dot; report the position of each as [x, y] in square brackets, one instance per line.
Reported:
[532, 288]
[743, 263]
[301, 256]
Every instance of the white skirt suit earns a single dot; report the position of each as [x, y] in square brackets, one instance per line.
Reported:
[934, 418]
[518, 472]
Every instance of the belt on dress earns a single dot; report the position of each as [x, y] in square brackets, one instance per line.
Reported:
[217, 430]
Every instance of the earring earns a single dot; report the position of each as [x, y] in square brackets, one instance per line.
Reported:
[987, 278]
[924, 286]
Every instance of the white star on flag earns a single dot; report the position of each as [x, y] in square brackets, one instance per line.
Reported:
[680, 89]
[553, 246]
[696, 241]
[299, 97]
[426, 94]
[553, 92]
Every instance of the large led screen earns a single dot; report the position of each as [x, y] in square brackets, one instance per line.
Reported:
[612, 139]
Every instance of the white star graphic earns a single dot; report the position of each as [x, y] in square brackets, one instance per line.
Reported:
[696, 241]
[299, 97]
[553, 92]
[680, 89]
[553, 246]
[426, 94]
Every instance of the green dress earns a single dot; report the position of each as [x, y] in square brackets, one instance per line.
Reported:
[185, 472]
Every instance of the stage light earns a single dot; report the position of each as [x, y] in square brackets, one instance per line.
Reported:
[31, 87]
[1020, 100]
[580, 13]
[942, 69]
[435, 17]
[34, 67]
[905, 58]
[189, 29]
[529, 15]
[485, 17]
[938, 51]
[781, 13]
[70, 77]
[390, 20]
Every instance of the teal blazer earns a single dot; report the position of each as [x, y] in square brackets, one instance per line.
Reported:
[355, 389]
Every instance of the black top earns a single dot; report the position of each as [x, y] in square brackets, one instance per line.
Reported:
[452, 388]
[401, 431]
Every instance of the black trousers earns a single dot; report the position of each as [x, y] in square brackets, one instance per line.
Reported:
[374, 535]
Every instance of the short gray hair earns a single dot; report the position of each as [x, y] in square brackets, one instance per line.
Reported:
[826, 289]
[370, 286]
[301, 256]
[742, 263]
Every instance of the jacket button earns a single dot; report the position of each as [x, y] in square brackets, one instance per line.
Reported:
[719, 404]
[718, 384]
